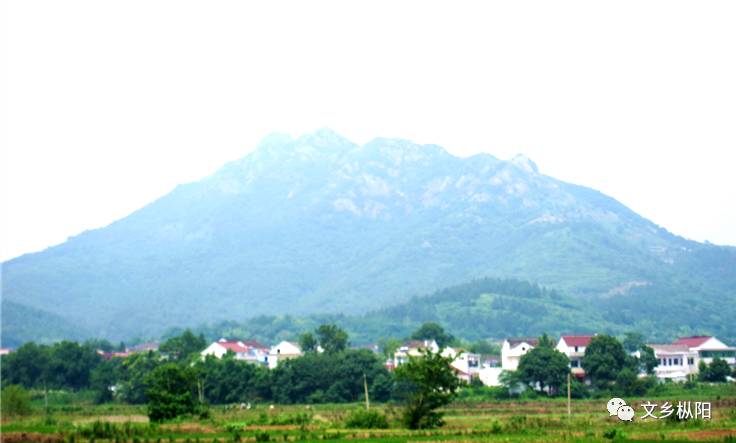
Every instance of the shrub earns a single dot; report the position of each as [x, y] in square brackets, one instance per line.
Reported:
[366, 419]
[15, 401]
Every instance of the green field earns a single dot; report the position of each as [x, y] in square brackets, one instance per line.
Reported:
[73, 419]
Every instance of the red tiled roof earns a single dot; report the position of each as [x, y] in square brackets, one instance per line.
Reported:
[693, 341]
[254, 344]
[577, 340]
[233, 346]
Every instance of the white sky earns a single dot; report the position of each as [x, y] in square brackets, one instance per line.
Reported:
[111, 104]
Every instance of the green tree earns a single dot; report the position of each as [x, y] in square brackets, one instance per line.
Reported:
[604, 358]
[27, 366]
[15, 401]
[544, 367]
[183, 346]
[104, 377]
[633, 341]
[629, 383]
[336, 377]
[716, 372]
[433, 331]
[170, 392]
[332, 338]
[389, 346]
[70, 364]
[228, 380]
[427, 383]
[307, 342]
[647, 360]
[133, 373]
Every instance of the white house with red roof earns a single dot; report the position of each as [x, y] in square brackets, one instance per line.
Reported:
[707, 348]
[573, 346]
[251, 351]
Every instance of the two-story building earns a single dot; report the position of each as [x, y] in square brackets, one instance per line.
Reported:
[466, 364]
[411, 348]
[573, 346]
[513, 348]
[707, 348]
[676, 362]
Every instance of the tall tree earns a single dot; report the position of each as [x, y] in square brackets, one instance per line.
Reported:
[604, 358]
[544, 368]
[647, 360]
[427, 383]
[170, 392]
[308, 342]
[633, 341]
[70, 364]
[183, 346]
[332, 338]
[27, 366]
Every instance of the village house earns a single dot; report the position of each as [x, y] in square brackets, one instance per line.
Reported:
[676, 362]
[250, 351]
[513, 348]
[465, 364]
[411, 348]
[680, 360]
[283, 351]
[573, 346]
[708, 348]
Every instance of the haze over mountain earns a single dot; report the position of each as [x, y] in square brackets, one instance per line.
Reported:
[320, 225]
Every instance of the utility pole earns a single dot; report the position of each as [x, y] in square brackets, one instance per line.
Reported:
[365, 387]
[200, 391]
[569, 412]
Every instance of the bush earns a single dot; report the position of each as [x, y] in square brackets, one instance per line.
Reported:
[366, 419]
[15, 401]
[170, 392]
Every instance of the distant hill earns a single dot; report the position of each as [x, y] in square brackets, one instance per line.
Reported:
[21, 323]
[320, 225]
[479, 309]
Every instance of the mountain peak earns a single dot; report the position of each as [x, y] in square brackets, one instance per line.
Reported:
[326, 138]
[525, 163]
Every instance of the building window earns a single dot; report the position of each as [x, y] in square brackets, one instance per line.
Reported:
[575, 364]
[690, 361]
[576, 349]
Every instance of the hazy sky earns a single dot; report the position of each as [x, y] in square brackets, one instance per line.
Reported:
[109, 105]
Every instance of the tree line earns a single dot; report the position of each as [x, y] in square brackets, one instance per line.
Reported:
[176, 379]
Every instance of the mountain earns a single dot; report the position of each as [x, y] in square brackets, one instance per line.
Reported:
[319, 224]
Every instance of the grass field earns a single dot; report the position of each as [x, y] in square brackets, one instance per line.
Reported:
[535, 420]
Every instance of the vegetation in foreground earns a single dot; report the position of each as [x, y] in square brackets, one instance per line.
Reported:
[543, 419]
[173, 395]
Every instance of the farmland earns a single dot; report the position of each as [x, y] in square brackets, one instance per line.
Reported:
[72, 418]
